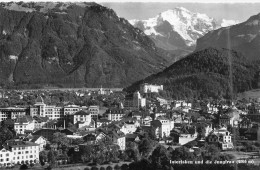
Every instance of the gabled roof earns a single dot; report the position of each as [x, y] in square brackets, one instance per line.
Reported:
[35, 138]
[24, 119]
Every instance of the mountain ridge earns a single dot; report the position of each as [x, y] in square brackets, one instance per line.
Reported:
[205, 73]
[243, 37]
[73, 46]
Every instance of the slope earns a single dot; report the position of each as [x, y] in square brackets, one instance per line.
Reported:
[73, 45]
[207, 73]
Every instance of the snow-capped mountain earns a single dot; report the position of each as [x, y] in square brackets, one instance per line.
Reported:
[179, 27]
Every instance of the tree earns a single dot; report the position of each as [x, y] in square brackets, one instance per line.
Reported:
[61, 140]
[145, 147]
[43, 157]
[182, 153]
[109, 168]
[160, 158]
[5, 134]
[52, 158]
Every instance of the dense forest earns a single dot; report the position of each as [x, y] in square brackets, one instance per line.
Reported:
[216, 73]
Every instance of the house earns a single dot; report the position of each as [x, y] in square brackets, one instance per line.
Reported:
[130, 126]
[185, 134]
[40, 140]
[19, 152]
[231, 117]
[221, 137]
[115, 114]
[163, 126]
[112, 135]
[102, 122]
[40, 122]
[24, 123]
[82, 116]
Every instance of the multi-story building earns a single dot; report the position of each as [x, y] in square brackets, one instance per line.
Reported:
[71, 109]
[19, 152]
[184, 134]
[94, 111]
[12, 112]
[134, 101]
[82, 116]
[24, 123]
[40, 140]
[221, 137]
[150, 88]
[115, 114]
[130, 127]
[163, 126]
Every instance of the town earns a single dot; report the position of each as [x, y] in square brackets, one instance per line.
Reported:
[106, 129]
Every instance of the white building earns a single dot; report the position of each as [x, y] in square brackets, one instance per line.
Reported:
[163, 126]
[40, 140]
[115, 114]
[24, 123]
[11, 113]
[19, 152]
[130, 127]
[82, 116]
[150, 88]
[71, 109]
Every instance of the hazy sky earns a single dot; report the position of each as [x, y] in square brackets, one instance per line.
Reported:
[235, 11]
[143, 9]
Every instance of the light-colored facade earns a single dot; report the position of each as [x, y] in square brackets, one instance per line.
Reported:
[163, 128]
[130, 127]
[18, 152]
[150, 88]
[82, 116]
[11, 113]
[24, 123]
[115, 114]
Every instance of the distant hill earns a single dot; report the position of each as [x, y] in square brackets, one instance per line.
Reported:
[243, 37]
[73, 45]
[207, 73]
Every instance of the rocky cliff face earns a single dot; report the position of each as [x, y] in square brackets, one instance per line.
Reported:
[73, 44]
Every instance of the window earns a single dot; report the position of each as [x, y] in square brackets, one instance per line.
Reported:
[7, 154]
[7, 159]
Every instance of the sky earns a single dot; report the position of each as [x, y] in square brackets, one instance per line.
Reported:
[166, 1]
[239, 10]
